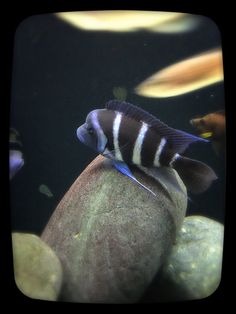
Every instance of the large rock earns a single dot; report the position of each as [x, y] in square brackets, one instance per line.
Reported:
[193, 269]
[111, 235]
[37, 270]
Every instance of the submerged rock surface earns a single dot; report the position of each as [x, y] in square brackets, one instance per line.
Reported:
[37, 270]
[111, 235]
[193, 268]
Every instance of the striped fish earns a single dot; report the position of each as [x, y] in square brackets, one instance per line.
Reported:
[131, 136]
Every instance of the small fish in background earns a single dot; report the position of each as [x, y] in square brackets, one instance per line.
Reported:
[16, 159]
[44, 189]
[184, 77]
[130, 21]
[212, 127]
[16, 162]
[14, 137]
[119, 92]
[128, 135]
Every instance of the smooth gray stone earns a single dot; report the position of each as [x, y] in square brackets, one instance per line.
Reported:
[111, 235]
[37, 270]
[193, 269]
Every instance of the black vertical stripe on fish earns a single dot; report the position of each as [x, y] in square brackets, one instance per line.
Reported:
[129, 130]
[166, 156]
[106, 120]
[150, 145]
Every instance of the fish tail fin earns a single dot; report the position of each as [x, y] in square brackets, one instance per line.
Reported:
[196, 175]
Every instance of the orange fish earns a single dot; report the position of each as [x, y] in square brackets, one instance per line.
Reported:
[212, 127]
[185, 76]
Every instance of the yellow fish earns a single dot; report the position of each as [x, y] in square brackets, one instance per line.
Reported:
[130, 21]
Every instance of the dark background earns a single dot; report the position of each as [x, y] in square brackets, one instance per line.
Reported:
[60, 73]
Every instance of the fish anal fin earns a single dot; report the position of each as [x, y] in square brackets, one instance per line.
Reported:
[166, 178]
[217, 147]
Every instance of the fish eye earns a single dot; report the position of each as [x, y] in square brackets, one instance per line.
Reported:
[90, 130]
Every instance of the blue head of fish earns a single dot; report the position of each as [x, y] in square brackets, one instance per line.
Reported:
[91, 134]
[86, 136]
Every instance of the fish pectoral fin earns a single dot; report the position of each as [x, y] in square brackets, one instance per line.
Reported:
[111, 153]
[124, 169]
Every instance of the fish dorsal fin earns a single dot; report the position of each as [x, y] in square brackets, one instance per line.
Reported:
[177, 140]
[131, 111]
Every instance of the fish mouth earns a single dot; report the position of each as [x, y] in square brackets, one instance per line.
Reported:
[192, 121]
[79, 135]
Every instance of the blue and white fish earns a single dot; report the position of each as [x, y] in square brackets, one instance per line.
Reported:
[16, 159]
[16, 162]
[131, 136]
